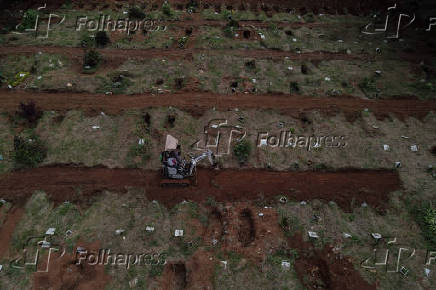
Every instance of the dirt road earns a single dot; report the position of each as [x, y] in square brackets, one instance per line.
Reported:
[198, 102]
[347, 188]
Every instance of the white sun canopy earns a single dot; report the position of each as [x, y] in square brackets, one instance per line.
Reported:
[171, 143]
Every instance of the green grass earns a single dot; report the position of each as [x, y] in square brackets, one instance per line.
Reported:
[425, 216]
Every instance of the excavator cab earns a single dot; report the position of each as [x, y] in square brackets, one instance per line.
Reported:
[175, 169]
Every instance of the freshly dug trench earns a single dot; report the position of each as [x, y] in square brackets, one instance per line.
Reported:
[247, 231]
[81, 184]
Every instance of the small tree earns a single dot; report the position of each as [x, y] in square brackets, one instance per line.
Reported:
[91, 58]
[230, 28]
[136, 13]
[166, 9]
[29, 112]
[242, 151]
[28, 152]
[29, 20]
[102, 39]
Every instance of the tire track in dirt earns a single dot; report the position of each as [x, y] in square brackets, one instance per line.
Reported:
[347, 188]
[113, 53]
[197, 103]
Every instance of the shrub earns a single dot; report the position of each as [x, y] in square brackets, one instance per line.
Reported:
[182, 41]
[230, 28]
[136, 13]
[29, 112]
[426, 218]
[102, 39]
[28, 152]
[304, 69]
[242, 151]
[87, 41]
[29, 20]
[294, 87]
[166, 9]
[91, 58]
[369, 87]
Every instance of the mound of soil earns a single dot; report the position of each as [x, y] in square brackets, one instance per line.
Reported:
[63, 273]
[324, 269]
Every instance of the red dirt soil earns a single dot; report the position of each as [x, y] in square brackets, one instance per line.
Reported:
[7, 229]
[196, 273]
[63, 183]
[244, 231]
[198, 102]
[324, 269]
[63, 273]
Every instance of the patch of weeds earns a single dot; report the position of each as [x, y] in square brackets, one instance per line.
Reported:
[136, 13]
[91, 60]
[188, 248]
[117, 83]
[87, 41]
[304, 69]
[139, 153]
[28, 21]
[282, 254]
[234, 260]
[242, 151]
[310, 18]
[182, 41]
[290, 225]
[156, 270]
[194, 210]
[29, 113]
[427, 88]
[294, 88]
[102, 39]
[369, 88]
[229, 29]
[166, 9]
[28, 152]
[19, 78]
[210, 201]
[425, 216]
[274, 29]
